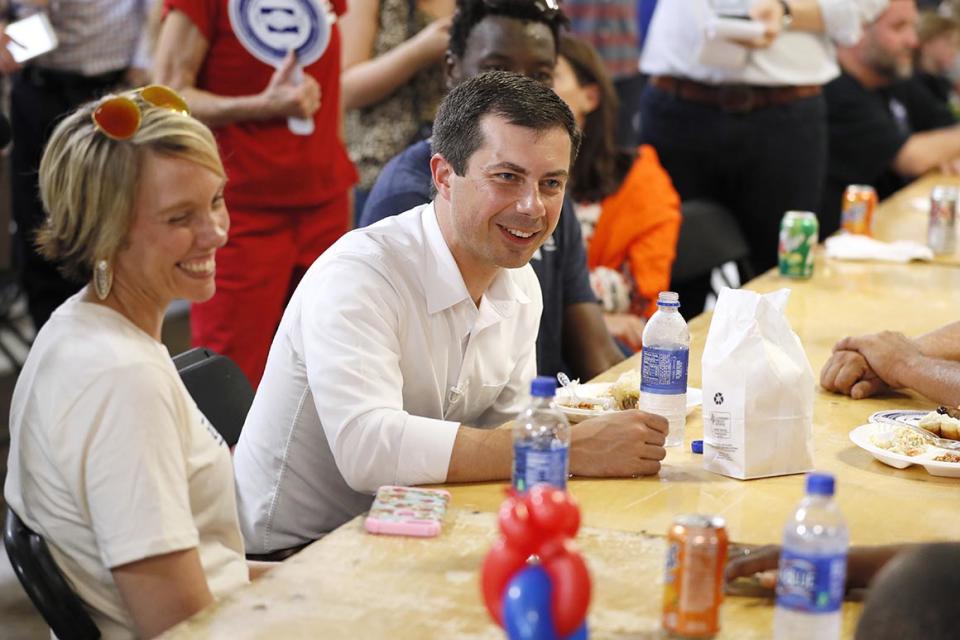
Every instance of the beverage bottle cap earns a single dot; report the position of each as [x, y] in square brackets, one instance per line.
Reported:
[543, 387]
[697, 446]
[668, 299]
[820, 484]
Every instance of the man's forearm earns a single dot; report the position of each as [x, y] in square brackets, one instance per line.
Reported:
[928, 150]
[942, 343]
[806, 15]
[938, 380]
[481, 455]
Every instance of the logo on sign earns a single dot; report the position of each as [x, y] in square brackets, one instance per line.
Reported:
[268, 29]
[718, 398]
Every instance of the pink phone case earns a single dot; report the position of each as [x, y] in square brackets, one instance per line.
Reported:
[405, 511]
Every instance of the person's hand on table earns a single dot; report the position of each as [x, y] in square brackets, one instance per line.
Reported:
[848, 372]
[621, 444]
[626, 327]
[889, 354]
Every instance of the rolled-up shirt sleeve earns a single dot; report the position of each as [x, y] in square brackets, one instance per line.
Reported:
[843, 19]
[352, 334]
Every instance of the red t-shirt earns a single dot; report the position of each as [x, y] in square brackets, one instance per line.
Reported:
[268, 166]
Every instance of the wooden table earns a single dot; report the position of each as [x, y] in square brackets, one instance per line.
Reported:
[352, 585]
[905, 215]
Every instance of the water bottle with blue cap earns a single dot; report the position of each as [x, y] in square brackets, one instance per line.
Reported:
[663, 368]
[541, 440]
[813, 566]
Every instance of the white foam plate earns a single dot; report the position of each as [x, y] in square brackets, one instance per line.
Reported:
[597, 390]
[861, 437]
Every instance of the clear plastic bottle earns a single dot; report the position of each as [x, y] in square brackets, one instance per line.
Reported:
[541, 440]
[813, 566]
[663, 369]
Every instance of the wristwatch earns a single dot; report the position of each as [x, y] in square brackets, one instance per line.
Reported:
[787, 14]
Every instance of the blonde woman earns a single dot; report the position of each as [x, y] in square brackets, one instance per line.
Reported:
[111, 462]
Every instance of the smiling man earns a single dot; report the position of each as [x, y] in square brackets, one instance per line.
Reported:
[408, 342]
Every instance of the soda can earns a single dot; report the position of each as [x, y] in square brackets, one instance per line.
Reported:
[859, 205]
[693, 583]
[942, 231]
[799, 233]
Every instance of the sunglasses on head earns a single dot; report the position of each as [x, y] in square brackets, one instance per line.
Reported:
[119, 117]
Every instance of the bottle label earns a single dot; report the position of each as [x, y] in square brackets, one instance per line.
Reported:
[811, 584]
[538, 466]
[664, 371]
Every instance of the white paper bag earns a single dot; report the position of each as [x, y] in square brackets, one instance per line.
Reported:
[757, 389]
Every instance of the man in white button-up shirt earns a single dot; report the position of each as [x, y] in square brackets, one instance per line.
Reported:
[406, 332]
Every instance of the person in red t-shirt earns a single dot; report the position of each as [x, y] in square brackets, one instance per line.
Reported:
[245, 69]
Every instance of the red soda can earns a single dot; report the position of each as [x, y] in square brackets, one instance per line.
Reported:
[693, 584]
[859, 205]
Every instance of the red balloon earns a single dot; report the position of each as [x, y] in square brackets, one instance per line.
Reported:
[553, 510]
[517, 527]
[499, 565]
[571, 589]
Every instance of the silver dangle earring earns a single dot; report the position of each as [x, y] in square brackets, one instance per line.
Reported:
[102, 279]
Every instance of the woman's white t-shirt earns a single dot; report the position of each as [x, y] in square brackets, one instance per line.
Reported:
[112, 462]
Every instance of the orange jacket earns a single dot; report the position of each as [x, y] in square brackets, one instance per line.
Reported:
[639, 224]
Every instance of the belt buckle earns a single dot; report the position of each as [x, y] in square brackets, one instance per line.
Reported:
[737, 98]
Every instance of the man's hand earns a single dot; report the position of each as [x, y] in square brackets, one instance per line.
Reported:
[284, 96]
[626, 327]
[848, 372]
[888, 353]
[622, 444]
[770, 13]
[8, 65]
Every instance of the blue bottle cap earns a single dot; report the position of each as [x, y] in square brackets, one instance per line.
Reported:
[820, 484]
[697, 446]
[543, 387]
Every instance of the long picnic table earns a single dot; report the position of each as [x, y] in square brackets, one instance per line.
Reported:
[354, 585]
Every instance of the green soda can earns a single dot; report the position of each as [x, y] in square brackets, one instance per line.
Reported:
[799, 233]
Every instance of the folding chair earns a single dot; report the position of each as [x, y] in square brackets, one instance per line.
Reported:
[48, 589]
[218, 386]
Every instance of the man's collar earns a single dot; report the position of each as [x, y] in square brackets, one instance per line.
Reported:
[443, 283]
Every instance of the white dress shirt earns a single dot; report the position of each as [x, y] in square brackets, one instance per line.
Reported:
[677, 33]
[94, 36]
[380, 356]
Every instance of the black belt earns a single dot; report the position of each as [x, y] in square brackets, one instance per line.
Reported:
[49, 78]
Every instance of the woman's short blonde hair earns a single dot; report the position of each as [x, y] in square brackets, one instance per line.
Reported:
[88, 181]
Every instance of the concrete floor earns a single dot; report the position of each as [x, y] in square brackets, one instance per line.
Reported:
[18, 619]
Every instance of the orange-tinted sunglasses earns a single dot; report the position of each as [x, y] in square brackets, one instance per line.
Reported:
[119, 117]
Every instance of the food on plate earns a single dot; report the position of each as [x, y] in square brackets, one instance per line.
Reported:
[589, 404]
[943, 422]
[903, 441]
[948, 457]
[626, 390]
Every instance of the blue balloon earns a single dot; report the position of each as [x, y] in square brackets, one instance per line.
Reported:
[579, 634]
[526, 605]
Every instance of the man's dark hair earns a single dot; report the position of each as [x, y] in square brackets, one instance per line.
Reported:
[513, 97]
[914, 596]
[470, 12]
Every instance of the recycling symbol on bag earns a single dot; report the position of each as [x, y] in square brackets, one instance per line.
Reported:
[718, 398]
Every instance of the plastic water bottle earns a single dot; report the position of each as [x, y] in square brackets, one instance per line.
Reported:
[813, 566]
[541, 440]
[663, 369]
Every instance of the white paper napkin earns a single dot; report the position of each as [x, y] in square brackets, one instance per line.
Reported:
[847, 246]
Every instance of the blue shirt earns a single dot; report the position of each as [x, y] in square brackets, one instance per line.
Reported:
[560, 264]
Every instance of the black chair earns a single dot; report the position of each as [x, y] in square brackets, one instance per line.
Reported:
[709, 237]
[49, 591]
[220, 389]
